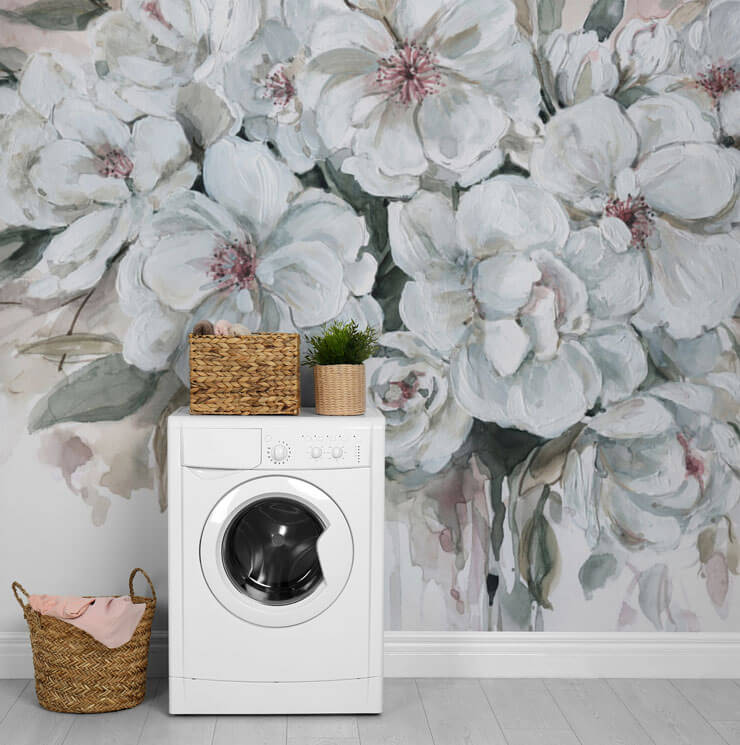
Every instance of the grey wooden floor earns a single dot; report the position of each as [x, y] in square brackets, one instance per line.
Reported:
[418, 712]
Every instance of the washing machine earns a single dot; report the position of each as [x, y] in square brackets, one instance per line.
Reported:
[275, 563]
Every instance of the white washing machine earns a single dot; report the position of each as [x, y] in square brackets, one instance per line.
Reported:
[275, 563]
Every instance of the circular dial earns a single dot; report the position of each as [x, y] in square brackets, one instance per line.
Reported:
[279, 452]
[316, 451]
[337, 452]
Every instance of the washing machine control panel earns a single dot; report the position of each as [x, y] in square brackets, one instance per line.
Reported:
[315, 449]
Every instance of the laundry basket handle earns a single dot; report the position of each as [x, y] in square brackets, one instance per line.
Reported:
[131, 583]
[18, 586]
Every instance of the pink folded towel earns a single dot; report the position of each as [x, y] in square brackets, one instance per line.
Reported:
[112, 621]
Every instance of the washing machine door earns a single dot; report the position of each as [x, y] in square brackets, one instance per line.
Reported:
[276, 551]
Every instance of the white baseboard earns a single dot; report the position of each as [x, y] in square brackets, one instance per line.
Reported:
[410, 654]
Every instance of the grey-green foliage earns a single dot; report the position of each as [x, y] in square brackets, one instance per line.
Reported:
[342, 343]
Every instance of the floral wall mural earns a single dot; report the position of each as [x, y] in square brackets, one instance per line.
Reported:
[537, 202]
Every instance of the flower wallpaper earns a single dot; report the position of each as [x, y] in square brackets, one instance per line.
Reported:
[536, 201]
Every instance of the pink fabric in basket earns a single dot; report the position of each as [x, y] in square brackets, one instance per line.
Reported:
[112, 621]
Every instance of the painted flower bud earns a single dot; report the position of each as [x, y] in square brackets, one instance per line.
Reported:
[222, 328]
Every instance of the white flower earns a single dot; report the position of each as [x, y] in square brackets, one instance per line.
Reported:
[653, 176]
[257, 250]
[580, 66]
[490, 292]
[424, 423]
[652, 469]
[645, 49]
[157, 57]
[88, 170]
[263, 78]
[427, 87]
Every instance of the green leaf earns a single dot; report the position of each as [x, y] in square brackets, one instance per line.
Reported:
[604, 17]
[107, 389]
[73, 345]
[547, 465]
[12, 60]
[342, 343]
[550, 14]
[387, 291]
[628, 96]
[595, 572]
[539, 556]
[21, 249]
[58, 15]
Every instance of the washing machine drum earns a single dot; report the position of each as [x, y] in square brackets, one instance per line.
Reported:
[269, 551]
[276, 551]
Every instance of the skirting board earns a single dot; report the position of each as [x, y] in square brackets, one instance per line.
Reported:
[410, 654]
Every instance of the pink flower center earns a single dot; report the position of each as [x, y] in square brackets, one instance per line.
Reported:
[717, 80]
[233, 265]
[398, 392]
[151, 7]
[636, 214]
[410, 74]
[279, 87]
[115, 163]
[694, 464]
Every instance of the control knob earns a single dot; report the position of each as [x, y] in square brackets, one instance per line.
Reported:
[337, 452]
[279, 452]
[316, 452]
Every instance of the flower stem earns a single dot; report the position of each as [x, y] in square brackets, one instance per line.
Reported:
[74, 322]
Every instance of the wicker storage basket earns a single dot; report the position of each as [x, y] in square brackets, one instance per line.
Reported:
[254, 374]
[339, 389]
[79, 675]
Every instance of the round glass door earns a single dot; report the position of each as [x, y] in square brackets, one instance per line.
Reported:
[269, 550]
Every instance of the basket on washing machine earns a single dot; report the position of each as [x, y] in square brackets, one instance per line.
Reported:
[76, 673]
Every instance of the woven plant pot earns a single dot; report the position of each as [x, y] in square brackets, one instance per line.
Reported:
[253, 374]
[76, 673]
[340, 389]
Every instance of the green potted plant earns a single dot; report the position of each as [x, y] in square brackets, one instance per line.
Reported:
[336, 355]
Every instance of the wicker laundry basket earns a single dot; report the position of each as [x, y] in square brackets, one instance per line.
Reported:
[79, 675]
[253, 374]
[339, 389]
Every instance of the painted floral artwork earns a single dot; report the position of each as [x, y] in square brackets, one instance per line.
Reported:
[537, 202]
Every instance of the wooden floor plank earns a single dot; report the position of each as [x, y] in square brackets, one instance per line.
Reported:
[403, 721]
[596, 714]
[28, 724]
[523, 704]
[458, 712]
[114, 727]
[716, 700]
[10, 690]
[666, 717]
[251, 730]
[540, 737]
[730, 731]
[312, 727]
[162, 729]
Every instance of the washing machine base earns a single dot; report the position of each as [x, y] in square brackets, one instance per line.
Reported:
[354, 696]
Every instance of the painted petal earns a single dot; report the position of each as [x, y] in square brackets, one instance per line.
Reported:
[724, 30]
[639, 417]
[730, 114]
[422, 232]
[668, 119]
[350, 30]
[690, 182]
[335, 109]
[438, 311]
[78, 257]
[686, 266]
[374, 182]
[509, 211]
[47, 78]
[579, 161]
[544, 398]
[458, 123]
[617, 283]
[77, 119]
[502, 284]
[578, 491]
[308, 277]
[622, 361]
[233, 22]
[160, 148]
[66, 174]
[539, 319]
[153, 336]
[318, 217]
[390, 139]
[205, 114]
[569, 292]
[506, 345]
[247, 179]
[359, 276]
[176, 270]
